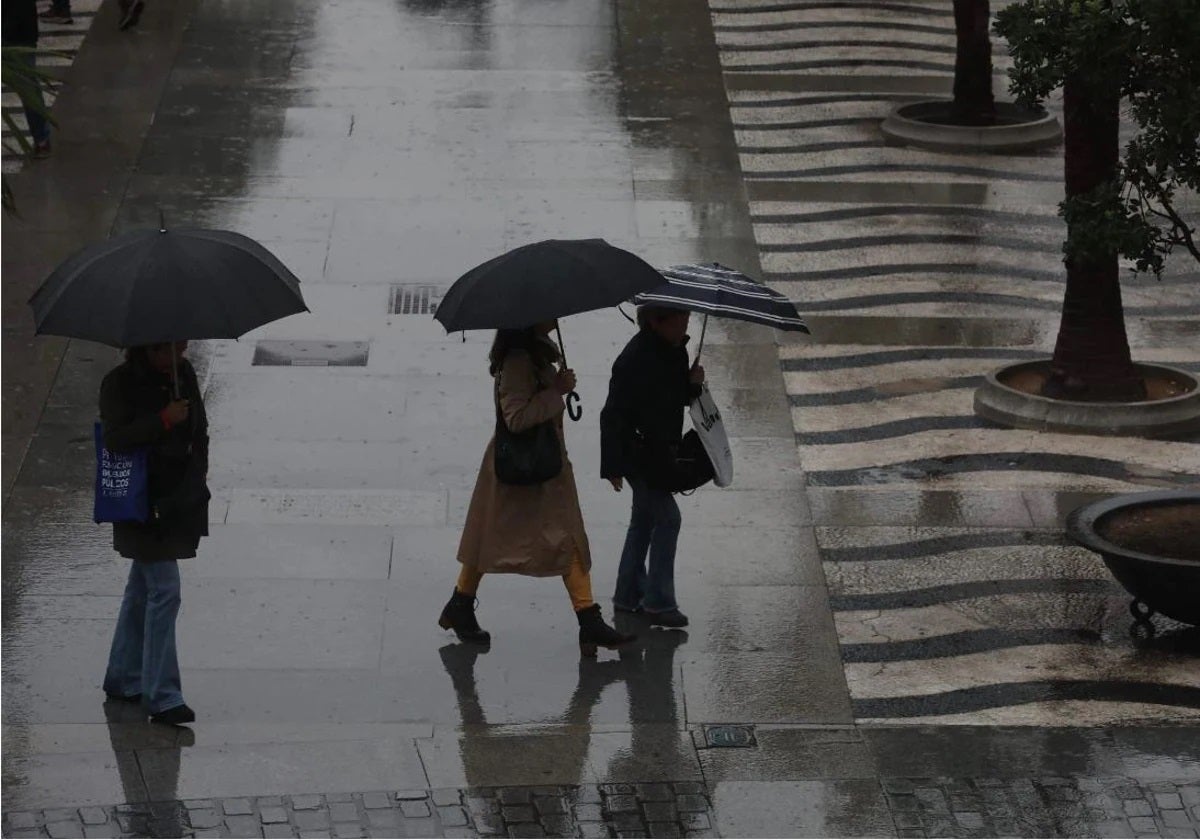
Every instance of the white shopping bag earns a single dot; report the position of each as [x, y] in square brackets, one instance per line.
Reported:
[706, 420]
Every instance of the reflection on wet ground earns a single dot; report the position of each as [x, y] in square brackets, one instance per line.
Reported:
[381, 147]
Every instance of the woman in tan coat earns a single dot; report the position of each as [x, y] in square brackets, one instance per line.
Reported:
[537, 529]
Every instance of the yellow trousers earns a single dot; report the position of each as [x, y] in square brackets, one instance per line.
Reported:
[577, 580]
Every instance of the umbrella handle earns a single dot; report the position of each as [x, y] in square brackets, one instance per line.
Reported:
[573, 409]
[703, 330]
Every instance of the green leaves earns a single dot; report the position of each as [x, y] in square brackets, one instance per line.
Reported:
[1147, 53]
[19, 74]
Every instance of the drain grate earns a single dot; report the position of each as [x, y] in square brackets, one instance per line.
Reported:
[729, 736]
[414, 299]
[311, 353]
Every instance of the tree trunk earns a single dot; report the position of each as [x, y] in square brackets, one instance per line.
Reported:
[973, 100]
[1091, 358]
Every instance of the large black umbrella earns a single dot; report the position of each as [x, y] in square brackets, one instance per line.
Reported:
[158, 286]
[543, 282]
[713, 289]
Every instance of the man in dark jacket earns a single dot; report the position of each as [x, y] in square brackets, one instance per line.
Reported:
[139, 408]
[642, 420]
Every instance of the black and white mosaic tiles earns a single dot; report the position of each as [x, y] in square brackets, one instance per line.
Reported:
[957, 598]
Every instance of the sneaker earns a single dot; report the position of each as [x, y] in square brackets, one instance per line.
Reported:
[53, 15]
[672, 619]
[41, 150]
[133, 13]
[174, 716]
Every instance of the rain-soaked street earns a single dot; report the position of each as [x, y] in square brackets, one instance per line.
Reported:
[890, 635]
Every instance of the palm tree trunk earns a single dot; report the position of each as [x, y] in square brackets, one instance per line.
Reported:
[1091, 357]
[973, 100]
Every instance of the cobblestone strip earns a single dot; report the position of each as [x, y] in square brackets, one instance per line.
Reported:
[650, 810]
[1046, 807]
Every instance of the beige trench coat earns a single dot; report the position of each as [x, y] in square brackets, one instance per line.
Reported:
[535, 530]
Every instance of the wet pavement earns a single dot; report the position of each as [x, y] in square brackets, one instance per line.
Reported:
[383, 148]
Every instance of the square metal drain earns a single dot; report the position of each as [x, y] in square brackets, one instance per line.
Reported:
[730, 736]
[312, 353]
[414, 299]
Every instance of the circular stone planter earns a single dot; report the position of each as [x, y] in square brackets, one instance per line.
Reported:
[1009, 397]
[928, 125]
[1145, 540]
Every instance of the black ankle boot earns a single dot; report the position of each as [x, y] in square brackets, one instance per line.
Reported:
[459, 616]
[594, 633]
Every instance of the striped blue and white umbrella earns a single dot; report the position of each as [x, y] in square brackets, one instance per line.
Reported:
[716, 290]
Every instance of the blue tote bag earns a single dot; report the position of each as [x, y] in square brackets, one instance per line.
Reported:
[122, 484]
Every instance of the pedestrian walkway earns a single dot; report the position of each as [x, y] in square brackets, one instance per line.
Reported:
[64, 39]
[956, 596]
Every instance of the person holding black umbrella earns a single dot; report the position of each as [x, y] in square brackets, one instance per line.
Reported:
[527, 524]
[153, 400]
[651, 385]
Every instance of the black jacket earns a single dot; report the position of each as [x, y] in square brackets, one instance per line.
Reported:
[647, 394]
[131, 397]
[20, 23]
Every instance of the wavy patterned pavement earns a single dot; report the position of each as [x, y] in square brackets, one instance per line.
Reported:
[955, 595]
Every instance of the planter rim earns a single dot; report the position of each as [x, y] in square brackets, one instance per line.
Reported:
[1037, 114]
[1081, 523]
[993, 377]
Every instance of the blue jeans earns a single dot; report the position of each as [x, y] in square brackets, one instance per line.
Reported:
[654, 530]
[39, 129]
[143, 660]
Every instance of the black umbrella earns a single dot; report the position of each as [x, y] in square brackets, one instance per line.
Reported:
[159, 286]
[543, 282]
[714, 289]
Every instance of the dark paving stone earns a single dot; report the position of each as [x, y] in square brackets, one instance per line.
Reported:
[695, 822]
[240, 826]
[587, 794]
[339, 797]
[588, 812]
[273, 815]
[526, 830]
[348, 830]
[312, 820]
[691, 802]
[415, 810]
[655, 793]
[550, 805]
[1143, 825]
[595, 831]
[343, 812]
[453, 816]
[1176, 819]
[307, 803]
[618, 789]
[665, 830]
[278, 831]
[20, 820]
[204, 818]
[625, 821]
[518, 813]
[376, 799]
[447, 796]
[1169, 801]
[558, 826]
[970, 820]
[660, 812]
[382, 819]
[690, 788]
[98, 816]
[406, 795]
[515, 796]
[1138, 808]
[270, 802]
[621, 803]
[236, 807]
[64, 829]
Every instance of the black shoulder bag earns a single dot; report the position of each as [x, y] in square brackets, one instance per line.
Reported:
[533, 456]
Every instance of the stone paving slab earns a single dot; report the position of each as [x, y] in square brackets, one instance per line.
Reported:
[879, 807]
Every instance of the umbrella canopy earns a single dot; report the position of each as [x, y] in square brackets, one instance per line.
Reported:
[544, 281]
[716, 290]
[156, 286]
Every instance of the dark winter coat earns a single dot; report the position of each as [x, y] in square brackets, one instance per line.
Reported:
[647, 394]
[131, 399]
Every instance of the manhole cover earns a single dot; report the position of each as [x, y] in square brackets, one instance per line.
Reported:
[729, 736]
[414, 299]
[312, 353]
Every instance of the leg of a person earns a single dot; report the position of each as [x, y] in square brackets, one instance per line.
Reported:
[160, 664]
[123, 678]
[39, 129]
[631, 574]
[579, 585]
[468, 580]
[660, 582]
